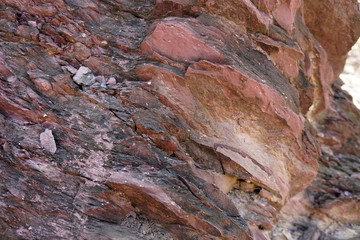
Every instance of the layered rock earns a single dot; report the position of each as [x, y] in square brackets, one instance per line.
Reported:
[175, 119]
[329, 207]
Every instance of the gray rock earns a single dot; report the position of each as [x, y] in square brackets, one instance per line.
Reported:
[47, 141]
[84, 76]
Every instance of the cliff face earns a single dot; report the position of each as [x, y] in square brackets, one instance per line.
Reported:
[170, 119]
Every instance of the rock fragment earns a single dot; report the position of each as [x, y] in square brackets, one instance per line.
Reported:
[111, 81]
[84, 77]
[81, 52]
[47, 141]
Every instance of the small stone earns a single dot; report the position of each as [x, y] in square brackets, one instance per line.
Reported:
[47, 141]
[11, 79]
[84, 76]
[33, 24]
[43, 85]
[111, 81]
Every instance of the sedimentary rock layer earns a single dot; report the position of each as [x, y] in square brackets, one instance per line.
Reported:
[170, 119]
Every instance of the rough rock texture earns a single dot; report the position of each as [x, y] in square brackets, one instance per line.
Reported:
[170, 119]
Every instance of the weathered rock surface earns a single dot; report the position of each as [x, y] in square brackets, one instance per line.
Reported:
[176, 119]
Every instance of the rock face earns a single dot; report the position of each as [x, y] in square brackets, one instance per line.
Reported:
[176, 119]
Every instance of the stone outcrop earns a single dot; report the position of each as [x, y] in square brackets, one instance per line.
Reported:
[170, 119]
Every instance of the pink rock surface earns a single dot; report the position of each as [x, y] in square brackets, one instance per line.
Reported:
[179, 42]
[285, 12]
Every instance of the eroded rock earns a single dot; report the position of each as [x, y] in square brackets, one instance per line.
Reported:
[206, 120]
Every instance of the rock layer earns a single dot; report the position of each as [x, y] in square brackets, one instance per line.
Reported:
[175, 119]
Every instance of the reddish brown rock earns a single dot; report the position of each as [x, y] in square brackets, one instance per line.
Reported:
[100, 66]
[176, 8]
[81, 52]
[285, 13]
[156, 202]
[333, 197]
[243, 12]
[27, 32]
[340, 17]
[287, 58]
[150, 124]
[195, 91]
[346, 210]
[178, 42]
[317, 69]
[177, 120]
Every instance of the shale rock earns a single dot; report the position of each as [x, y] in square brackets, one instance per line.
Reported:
[170, 119]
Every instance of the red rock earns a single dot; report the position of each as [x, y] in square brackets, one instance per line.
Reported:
[208, 122]
[141, 97]
[257, 234]
[99, 66]
[81, 52]
[112, 207]
[341, 17]
[345, 210]
[156, 201]
[71, 69]
[285, 12]
[45, 10]
[196, 93]
[43, 85]
[242, 12]
[150, 124]
[285, 57]
[175, 8]
[221, 200]
[85, 4]
[177, 41]
[266, 6]
[322, 72]
[28, 32]
[64, 84]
